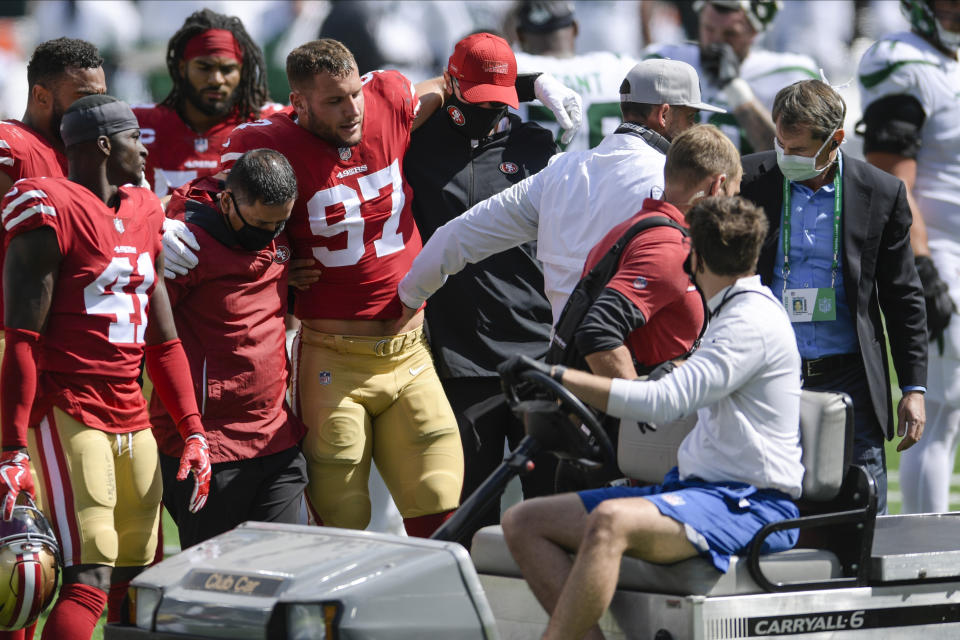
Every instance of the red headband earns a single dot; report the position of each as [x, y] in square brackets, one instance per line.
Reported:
[218, 43]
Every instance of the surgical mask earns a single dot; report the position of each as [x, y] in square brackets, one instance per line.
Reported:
[800, 168]
[470, 120]
[250, 237]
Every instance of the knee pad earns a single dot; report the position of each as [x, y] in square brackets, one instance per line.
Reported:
[345, 509]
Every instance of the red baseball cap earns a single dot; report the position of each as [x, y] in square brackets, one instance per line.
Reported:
[485, 68]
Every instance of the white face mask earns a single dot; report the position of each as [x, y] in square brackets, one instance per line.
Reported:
[800, 168]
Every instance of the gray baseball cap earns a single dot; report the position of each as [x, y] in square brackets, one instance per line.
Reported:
[664, 81]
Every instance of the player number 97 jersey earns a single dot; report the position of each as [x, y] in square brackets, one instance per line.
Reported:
[352, 212]
[98, 315]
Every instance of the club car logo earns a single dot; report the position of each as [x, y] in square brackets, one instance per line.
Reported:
[509, 168]
[457, 116]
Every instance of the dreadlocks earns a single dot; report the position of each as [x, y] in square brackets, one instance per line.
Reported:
[253, 74]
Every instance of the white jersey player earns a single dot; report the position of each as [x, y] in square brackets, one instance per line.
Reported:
[909, 85]
[735, 75]
[766, 72]
[596, 77]
[547, 33]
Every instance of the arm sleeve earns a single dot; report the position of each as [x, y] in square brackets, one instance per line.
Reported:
[524, 86]
[608, 323]
[500, 222]
[169, 370]
[16, 400]
[892, 124]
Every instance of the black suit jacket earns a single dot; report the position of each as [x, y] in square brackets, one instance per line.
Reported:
[878, 269]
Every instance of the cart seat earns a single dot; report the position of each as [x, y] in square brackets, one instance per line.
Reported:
[826, 431]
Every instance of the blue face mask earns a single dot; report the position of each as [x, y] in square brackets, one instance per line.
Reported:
[799, 168]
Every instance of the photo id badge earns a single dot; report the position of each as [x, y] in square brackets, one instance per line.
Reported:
[810, 305]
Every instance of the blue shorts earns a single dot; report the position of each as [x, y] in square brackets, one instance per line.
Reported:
[720, 518]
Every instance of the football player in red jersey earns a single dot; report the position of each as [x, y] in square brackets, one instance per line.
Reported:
[219, 81]
[365, 387]
[59, 72]
[84, 269]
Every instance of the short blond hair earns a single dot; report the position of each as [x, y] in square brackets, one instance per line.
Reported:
[319, 56]
[698, 153]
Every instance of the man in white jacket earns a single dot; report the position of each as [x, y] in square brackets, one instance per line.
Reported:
[738, 469]
[572, 203]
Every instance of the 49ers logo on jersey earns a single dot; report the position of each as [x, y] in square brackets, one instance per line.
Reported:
[509, 168]
[456, 115]
[282, 254]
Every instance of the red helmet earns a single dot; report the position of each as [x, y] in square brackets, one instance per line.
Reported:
[29, 567]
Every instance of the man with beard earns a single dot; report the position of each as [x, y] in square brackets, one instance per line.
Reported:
[219, 81]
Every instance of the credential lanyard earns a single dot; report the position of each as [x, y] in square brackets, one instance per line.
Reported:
[785, 232]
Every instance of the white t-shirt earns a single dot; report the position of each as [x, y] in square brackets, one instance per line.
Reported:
[744, 384]
[567, 208]
[596, 77]
[765, 71]
[905, 63]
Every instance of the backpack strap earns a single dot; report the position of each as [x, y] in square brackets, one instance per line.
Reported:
[561, 349]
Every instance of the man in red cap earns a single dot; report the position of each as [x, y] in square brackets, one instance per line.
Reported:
[464, 153]
[219, 81]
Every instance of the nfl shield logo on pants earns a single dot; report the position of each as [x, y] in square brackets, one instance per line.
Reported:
[324, 377]
[200, 145]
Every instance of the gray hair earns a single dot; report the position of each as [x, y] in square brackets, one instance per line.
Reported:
[811, 103]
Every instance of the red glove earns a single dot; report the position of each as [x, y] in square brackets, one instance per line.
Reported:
[14, 478]
[196, 458]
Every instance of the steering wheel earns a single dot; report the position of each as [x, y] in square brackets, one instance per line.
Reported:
[588, 438]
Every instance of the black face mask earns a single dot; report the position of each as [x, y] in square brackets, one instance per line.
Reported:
[250, 237]
[471, 121]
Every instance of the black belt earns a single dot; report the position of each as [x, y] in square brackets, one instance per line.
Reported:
[828, 364]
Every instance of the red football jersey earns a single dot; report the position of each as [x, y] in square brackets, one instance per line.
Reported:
[229, 312]
[651, 276]
[178, 154]
[92, 346]
[24, 153]
[353, 207]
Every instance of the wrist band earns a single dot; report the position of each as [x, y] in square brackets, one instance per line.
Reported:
[737, 93]
[556, 372]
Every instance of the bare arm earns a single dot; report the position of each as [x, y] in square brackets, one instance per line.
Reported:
[592, 389]
[616, 363]
[29, 273]
[757, 124]
[905, 169]
[5, 183]
[430, 93]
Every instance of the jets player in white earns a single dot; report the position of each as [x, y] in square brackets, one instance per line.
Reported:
[547, 33]
[737, 76]
[909, 87]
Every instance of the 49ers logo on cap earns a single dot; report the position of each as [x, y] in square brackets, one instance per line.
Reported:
[509, 167]
[456, 115]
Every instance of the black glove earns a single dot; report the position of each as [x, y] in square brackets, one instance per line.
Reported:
[720, 63]
[511, 368]
[940, 307]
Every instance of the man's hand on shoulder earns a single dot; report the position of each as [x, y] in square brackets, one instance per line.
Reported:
[911, 419]
[178, 259]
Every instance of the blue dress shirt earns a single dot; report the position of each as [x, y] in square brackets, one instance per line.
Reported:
[811, 258]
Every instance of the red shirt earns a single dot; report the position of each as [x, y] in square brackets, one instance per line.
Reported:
[178, 154]
[353, 207]
[92, 346]
[24, 153]
[650, 274]
[229, 312]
